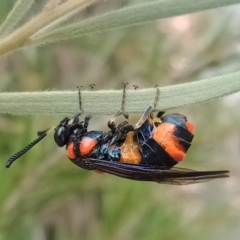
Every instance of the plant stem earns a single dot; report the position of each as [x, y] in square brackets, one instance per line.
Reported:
[108, 102]
[21, 36]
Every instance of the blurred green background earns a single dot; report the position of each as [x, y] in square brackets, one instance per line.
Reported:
[45, 197]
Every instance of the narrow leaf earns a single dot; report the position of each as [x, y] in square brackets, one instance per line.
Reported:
[55, 24]
[15, 16]
[21, 37]
[108, 102]
[137, 14]
[52, 4]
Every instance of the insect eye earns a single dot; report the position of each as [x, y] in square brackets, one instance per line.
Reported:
[61, 136]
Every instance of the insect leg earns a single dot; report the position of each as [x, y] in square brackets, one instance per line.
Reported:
[86, 122]
[149, 110]
[154, 104]
[80, 96]
[111, 122]
[144, 117]
[161, 113]
[80, 99]
[124, 100]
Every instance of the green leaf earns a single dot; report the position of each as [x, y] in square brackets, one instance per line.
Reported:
[108, 102]
[15, 16]
[55, 24]
[137, 14]
[21, 37]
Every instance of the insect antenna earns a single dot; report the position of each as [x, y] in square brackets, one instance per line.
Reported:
[17, 155]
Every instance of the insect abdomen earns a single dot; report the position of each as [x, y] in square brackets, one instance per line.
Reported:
[169, 142]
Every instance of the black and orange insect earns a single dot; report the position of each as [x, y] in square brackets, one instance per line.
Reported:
[146, 151]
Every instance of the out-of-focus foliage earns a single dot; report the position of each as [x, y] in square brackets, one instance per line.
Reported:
[45, 197]
[51, 23]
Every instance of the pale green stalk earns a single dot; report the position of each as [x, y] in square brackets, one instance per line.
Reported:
[108, 102]
[15, 16]
[133, 15]
[21, 36]
[55, 24]
[52, 4]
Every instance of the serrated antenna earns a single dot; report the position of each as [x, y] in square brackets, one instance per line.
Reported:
[17, 155]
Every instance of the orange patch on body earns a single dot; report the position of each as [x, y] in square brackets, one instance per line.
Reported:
[130, 151]
[70, 152]
[87, 145]
[190, 127]
[164, 136]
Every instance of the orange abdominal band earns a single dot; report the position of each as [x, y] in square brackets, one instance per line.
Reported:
[165, 137]
[189, 127]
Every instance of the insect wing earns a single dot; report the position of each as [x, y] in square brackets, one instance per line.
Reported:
[174, 176]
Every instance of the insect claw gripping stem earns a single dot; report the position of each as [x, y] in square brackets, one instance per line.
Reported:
[135, 87]
[92, 86]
